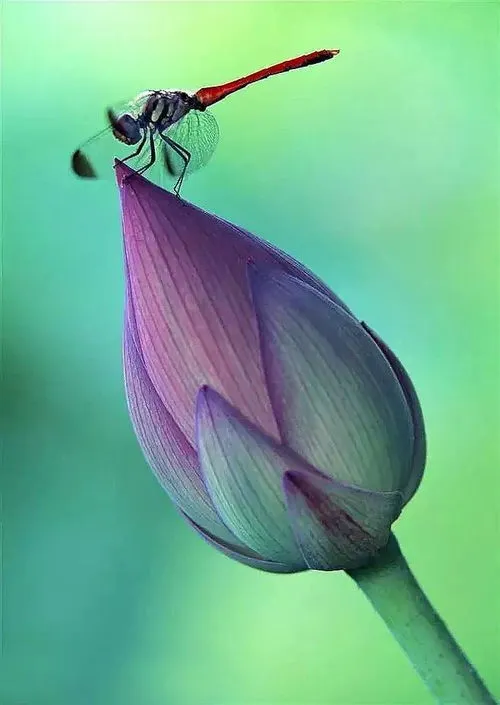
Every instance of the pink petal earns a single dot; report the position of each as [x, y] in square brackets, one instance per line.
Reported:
[169, 454]
[195, 321]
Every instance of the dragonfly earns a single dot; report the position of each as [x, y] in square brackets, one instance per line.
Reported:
[173, 128]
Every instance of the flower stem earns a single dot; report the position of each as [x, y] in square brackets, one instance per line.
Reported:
[389, 584]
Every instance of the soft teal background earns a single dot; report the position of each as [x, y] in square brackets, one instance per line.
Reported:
[380, 171]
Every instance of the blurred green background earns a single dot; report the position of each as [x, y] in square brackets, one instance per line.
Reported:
[380, 171]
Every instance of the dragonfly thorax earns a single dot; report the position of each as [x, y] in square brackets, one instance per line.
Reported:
[164, 108]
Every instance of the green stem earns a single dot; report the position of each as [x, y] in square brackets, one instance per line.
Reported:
[393, 591]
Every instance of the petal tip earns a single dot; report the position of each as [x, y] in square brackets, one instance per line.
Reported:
[209, 406]
[254, 271]
[122, 172]
[307, 484]
[291, 480]
[201, 403]
[129, 179]
[207, 395]
[265, 279]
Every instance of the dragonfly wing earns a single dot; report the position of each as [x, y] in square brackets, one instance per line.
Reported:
[94, 157]
[82, 166]
[198, 133]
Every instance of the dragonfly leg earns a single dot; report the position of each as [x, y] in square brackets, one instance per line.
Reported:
[152, 152]
[138, 150]
[136, 154]
[184, 155]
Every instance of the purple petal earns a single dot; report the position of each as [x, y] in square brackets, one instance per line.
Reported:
[195, 320]
[244, 555]
[338, 527]
[169, 454]
[336, 399]
[243, 470]
[420, 443]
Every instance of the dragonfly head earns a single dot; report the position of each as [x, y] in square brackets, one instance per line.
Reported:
[126, 127]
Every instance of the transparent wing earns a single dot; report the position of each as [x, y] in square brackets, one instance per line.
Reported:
[96, 155]
[198, 133]
[134, 106]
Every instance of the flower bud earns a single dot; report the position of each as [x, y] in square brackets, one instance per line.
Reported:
[285, 431]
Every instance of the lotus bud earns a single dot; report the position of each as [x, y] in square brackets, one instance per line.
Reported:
[283, 428]
[286, 432]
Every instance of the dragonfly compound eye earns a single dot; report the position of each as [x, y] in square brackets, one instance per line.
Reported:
[126, 129]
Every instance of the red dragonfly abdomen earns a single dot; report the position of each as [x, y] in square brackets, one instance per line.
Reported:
[212, 94]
